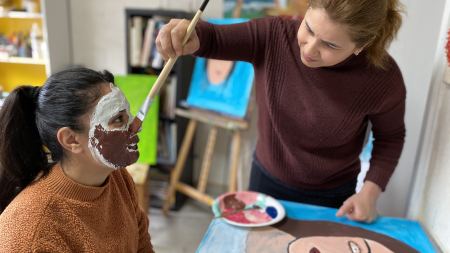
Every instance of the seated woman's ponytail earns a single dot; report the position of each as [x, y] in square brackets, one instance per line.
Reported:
[22, 156]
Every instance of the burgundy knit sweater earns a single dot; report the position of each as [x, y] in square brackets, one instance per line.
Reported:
[312, 122]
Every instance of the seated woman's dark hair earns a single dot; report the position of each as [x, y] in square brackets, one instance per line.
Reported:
[30, 118]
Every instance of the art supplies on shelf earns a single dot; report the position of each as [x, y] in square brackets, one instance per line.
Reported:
[28, 55]
[29, 44]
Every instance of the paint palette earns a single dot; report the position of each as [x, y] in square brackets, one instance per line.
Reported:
[248, 209]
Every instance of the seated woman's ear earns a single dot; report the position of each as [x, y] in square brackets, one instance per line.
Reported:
[69, 140]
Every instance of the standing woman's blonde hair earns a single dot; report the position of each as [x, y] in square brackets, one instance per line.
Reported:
[371, 24]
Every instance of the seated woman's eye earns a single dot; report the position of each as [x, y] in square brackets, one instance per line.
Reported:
[118, 120]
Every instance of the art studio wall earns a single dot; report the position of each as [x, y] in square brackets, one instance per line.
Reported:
[429, 202]
[98, 28]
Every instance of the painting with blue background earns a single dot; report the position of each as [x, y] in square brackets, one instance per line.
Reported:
[222, 237]
[231, 96]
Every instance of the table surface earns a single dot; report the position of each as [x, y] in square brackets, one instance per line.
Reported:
[222, 237]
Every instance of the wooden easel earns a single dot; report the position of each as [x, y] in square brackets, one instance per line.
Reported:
[215, 121]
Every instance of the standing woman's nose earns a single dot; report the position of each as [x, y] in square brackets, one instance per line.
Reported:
[310, 47]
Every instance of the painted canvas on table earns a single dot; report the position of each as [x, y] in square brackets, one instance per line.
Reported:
[221, 86]
[250, 8]
[317, 230]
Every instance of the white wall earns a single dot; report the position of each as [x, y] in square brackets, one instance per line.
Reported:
[435, 205]
[430, 201]
[98, 28]
[415, 52]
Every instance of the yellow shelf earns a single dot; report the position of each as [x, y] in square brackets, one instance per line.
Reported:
[9, 26]
[23, 60]
[20, 15]
[13, 75]
[16, 71]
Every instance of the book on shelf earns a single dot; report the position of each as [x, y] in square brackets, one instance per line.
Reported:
[167, 143]
[142, 46]
[168, 98]
[148, 43]
[135, 40]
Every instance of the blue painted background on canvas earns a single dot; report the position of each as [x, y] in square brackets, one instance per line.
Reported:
[229, 97]
[222, 237]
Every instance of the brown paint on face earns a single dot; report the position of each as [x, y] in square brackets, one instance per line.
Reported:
[232, 202]
[117, 147]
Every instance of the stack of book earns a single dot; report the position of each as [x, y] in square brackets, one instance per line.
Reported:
[142, 35]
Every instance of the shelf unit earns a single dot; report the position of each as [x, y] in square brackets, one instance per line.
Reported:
[179, 79]
[51, 17]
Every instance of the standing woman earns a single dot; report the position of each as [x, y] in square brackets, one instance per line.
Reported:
[83, 200]
[319, 83]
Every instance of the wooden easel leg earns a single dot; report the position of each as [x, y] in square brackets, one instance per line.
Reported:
[234, 160]
[207, 157]
[179, 166]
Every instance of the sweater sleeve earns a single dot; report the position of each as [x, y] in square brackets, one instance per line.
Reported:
[145, 244]
[235, 42]
[388, 129]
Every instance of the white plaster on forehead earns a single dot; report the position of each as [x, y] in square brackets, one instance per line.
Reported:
[109, 106]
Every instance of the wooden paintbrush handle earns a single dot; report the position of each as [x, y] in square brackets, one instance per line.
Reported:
[171, 62]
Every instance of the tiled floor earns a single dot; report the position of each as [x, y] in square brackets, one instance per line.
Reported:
[181, 231]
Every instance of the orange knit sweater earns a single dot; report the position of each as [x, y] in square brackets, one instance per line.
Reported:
[56, 214]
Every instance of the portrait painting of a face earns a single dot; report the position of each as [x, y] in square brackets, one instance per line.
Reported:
[311, 229]
[221, 86]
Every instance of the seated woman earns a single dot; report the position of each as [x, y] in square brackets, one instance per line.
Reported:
[79, 197]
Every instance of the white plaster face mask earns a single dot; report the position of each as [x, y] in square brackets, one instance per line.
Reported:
[110, 139]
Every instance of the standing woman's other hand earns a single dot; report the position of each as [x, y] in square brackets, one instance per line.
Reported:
[169, 41]
[362, 205]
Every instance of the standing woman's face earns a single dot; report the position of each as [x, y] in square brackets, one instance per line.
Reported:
[322, 41]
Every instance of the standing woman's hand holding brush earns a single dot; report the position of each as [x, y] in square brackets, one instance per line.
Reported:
[169, 41]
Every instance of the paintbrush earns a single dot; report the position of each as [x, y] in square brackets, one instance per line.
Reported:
[137, 121]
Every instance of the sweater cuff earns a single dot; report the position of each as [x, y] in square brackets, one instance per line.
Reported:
[203, 30]
[379, 175]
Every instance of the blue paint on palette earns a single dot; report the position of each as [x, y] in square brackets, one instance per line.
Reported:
[272, 212]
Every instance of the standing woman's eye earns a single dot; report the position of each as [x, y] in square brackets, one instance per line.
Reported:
[331, 46]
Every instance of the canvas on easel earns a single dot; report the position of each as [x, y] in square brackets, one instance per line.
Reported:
[250, 8]
[221, 86]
